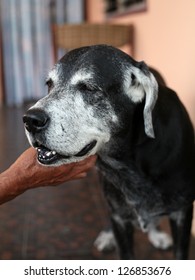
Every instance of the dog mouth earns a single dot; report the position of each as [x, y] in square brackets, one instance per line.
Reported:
[46, 156]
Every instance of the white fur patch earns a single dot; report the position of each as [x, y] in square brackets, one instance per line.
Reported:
[80, 76]
[136, 92]
[143, 86]
[80, 126]
[53, 74]
[160, 239]
[105, 241]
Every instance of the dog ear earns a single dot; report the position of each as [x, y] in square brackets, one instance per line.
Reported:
[140, 84]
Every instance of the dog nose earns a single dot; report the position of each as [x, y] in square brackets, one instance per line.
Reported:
[35, 120]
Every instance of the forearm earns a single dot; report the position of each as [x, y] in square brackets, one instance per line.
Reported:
[10, 186]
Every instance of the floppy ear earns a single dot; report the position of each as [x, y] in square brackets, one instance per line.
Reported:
[139, 84]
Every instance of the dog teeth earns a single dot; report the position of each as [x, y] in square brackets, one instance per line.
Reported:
[44, 154]
[48, 154]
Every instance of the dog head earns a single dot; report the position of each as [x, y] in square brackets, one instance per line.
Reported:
[89, 90]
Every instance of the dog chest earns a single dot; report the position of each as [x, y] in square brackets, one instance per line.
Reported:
[130, 196]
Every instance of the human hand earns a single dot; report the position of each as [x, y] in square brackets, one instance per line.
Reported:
[31, 174]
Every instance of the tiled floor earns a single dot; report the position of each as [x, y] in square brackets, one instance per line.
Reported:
[56, 222]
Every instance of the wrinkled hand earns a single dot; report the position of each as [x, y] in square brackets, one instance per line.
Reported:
[32, 174]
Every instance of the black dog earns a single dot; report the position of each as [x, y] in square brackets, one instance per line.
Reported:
[102, 101]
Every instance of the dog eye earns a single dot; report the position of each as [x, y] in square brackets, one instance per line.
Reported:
[84, 87]
[49, 83]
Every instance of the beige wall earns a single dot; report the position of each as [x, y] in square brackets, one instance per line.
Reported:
[1, 81]
[164, 39]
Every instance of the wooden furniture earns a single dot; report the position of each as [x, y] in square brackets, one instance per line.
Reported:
[71, 36]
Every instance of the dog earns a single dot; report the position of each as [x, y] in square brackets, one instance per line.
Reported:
[101, 101]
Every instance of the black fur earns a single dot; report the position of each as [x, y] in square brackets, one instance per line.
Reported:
[144, 178]
[156, 175]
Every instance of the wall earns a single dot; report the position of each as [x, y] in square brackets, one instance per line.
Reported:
[1, 79]
[164, 39]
